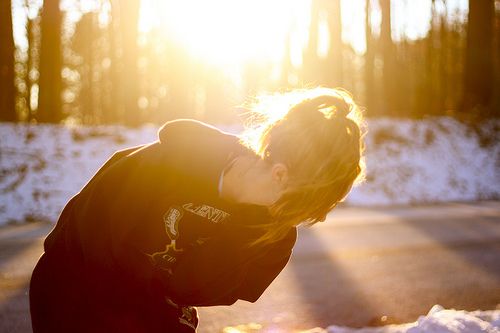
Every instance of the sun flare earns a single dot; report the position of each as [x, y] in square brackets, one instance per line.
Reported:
[226, 32]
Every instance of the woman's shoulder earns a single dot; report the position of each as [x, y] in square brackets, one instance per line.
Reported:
[187, 128]
[196, 153]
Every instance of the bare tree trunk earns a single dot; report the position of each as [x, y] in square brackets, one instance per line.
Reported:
[32, 61]
[7, 88]
[29, 66]
[388, 56]
[310, 57]
[335, 57]
[50, 82]
[478, 88]
[444, 61]
[115, 112]
[113, 108]
[369, 58]
[431, 88]
[496, 56]
[84, 45]
[129, 19]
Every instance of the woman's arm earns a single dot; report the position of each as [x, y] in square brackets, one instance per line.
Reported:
[266, 267]
[221, 273]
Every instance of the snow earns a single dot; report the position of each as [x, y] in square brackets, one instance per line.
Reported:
[427, 161]
[43, 166]
[438, 320]
[408, 162]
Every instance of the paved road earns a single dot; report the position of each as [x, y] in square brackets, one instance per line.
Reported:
[358, 268]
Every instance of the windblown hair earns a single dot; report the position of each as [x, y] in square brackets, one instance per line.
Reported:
[318, 134]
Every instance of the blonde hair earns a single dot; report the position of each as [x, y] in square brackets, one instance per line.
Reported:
[318, 134]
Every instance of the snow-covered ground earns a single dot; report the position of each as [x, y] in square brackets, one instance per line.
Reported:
[408, 162]
[429, 161]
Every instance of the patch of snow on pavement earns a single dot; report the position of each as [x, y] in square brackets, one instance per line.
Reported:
[438, 320]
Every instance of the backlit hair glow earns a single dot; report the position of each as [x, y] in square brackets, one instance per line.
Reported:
[318, 134]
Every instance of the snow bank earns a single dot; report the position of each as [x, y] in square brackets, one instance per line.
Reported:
[428, 161]
[408, 162]
[438, 320]
[43, 166]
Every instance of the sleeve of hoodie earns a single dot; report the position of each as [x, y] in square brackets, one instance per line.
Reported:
[266, 267]
[221, 276]
[66, 214]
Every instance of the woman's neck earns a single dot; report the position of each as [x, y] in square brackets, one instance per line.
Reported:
[231, 186]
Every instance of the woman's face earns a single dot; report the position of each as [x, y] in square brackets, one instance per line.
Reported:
[254, 181]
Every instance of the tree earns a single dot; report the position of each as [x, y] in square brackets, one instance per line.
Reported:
[50, 82]
[310, 68]
[496, 56]
[129, 19]
[478, 88]
[388, 57]
[7, 88]
[369, 58]
[335, 59]
[83, 43]
[317, 70]
[113, 110]
[31, 72]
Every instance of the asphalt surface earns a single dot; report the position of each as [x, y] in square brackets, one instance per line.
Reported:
[361, 267]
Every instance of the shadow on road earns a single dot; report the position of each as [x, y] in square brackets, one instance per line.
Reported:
[337, 286]
[354, 272]
[464, 239]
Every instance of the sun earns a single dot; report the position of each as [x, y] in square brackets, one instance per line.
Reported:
[226, 32]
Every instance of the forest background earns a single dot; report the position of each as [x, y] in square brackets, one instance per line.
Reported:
[133, 62]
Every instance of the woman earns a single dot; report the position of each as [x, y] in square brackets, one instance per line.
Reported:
[199, 217]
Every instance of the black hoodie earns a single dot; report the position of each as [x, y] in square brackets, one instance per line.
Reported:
[149, 237]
